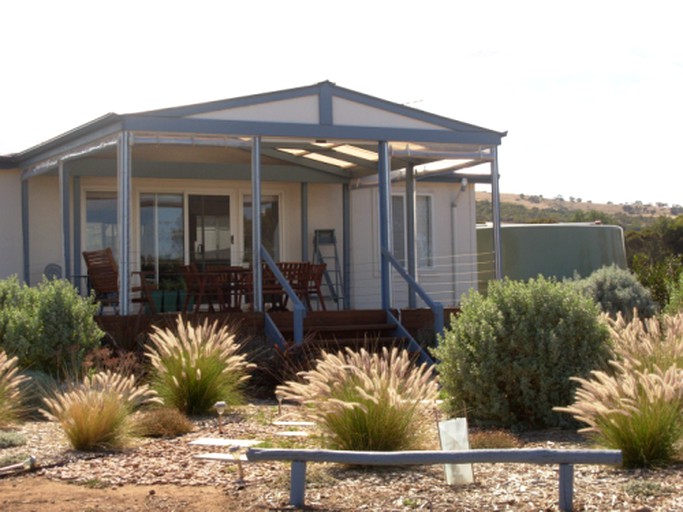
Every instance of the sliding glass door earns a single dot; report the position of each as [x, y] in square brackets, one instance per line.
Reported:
[162, 240]
[210, 237]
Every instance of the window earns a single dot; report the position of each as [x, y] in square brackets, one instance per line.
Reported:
[161, 233]
[101, 229]
[423, 229]
[270, 226]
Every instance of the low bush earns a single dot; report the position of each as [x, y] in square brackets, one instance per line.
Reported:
[101, 359]
[95, 414]
[618, 291]
[11, 404]
[365, 401]
[49, 327]
[638, 407]
[162, 422]
[491, 439]
[509, 355]
[675, 304]
[10, 439]
[193, 367]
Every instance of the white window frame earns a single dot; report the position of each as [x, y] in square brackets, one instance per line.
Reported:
[403, 220]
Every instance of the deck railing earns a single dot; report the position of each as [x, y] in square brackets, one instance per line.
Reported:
[298, 308]
[436, 307]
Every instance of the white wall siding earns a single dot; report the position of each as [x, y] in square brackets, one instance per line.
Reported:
[45, 233]
[11, 247]
[453, 269]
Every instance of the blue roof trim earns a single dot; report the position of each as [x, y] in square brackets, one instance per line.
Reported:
[95, 129]
[403, 110]
[256, 99]
[71, 140]
[250, 128]
[8, 162]
[325, 104]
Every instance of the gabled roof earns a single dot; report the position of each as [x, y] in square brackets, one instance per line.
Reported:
[322, 127]
[328, 105]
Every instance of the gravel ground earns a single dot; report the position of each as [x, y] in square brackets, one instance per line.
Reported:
[163, 475]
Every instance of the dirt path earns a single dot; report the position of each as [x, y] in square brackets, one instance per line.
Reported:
[34, 493]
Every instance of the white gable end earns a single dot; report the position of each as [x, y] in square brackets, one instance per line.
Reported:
[351, 113]
[294, 110]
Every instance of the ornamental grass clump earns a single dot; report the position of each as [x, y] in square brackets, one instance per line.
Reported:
[96, 414]
[11, 405]
[364, 401]
[638, 407]
[193, 367]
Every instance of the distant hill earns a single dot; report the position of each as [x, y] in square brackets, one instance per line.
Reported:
[524, 208]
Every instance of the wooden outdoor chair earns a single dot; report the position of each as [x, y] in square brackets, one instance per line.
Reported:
[103, 279]
[296, 274]
[316, 272]
[231, 280]
[202, 289]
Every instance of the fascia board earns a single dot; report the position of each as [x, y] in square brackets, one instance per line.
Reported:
[313, 131]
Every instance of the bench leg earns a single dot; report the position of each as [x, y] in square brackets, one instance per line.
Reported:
[566, 487]
[297, 486]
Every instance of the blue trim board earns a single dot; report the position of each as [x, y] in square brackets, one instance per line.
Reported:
[8, 162]
[325, 104]
[242, 101]
[312, 131]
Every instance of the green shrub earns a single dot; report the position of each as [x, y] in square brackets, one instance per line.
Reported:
[618, 291]
[508, 356]
[162, 422]
[193, 367]
[49, 327]
[675, 304]
[11, 405]
[364, 401]
[10, 439]
[638, 407]
[96, 413]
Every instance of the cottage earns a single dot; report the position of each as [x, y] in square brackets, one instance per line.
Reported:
[386, 189]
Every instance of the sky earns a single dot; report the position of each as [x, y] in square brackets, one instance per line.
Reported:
[590, 92]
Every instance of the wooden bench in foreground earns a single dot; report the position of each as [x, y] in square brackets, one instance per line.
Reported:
[565, 458]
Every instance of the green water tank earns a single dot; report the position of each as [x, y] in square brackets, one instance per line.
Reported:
[552, 250]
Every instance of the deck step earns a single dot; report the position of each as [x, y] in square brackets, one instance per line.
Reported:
[379, 327]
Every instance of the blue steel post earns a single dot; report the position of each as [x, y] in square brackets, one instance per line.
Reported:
[495, 203]
[64, 202]
[410, 231]
[256, 223]
[124, 194]
[24, 231]
[384, 222]
[304, 221]
[77, 230]
[346, 245]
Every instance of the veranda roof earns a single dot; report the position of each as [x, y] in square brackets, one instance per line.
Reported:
[321, 132]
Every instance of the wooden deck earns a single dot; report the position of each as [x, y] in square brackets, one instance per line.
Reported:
[129, 332]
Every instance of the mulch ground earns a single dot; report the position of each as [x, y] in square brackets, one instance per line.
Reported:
[162, 475]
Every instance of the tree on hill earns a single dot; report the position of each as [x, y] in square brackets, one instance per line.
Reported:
[655, 254]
